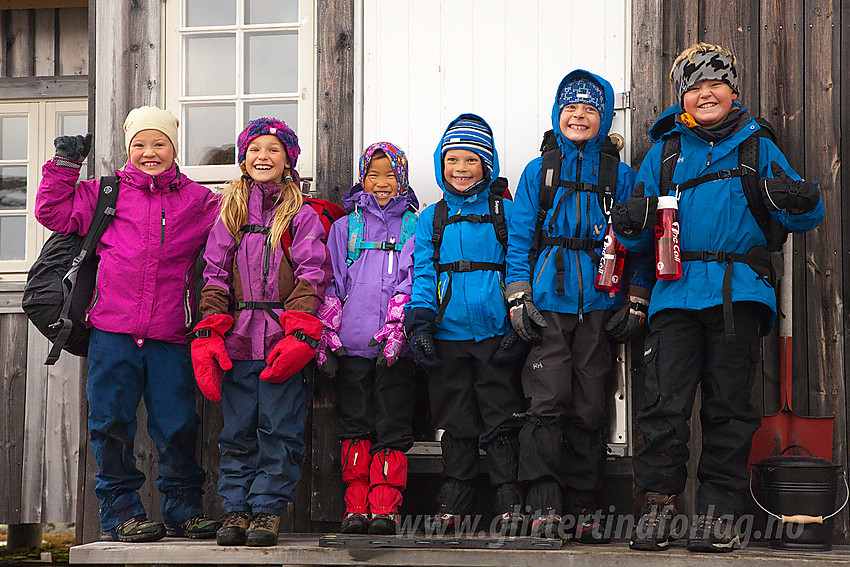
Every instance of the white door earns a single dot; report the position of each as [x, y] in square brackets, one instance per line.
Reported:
[425, 62]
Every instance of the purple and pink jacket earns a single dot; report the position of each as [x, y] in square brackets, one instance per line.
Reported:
[367, 285]
[148, 252]
[246, 270]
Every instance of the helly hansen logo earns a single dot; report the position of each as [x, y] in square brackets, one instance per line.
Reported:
[647, 352]
[537, 366]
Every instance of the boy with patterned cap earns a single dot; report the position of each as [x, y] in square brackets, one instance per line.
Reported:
[457, 319]
[138, 321]
[259, 304]
[372, 254]
[705, 327]
[556, 307]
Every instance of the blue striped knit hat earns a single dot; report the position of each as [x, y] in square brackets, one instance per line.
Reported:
[582, 90]
[473, 135]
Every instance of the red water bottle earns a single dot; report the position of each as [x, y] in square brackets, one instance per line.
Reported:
[668, 249]
[611, 263]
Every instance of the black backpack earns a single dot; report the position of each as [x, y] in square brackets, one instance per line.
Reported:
[496, 216]
[748, 170]
[550, 181]
[60, 283]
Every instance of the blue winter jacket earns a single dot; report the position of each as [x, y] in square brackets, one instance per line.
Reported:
[478, 308]
[579, 216]
[714, 216]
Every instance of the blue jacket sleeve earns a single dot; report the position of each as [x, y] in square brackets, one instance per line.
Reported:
[649, 174]
[522, 223]
[768, 152]
[424, 292]
[639, 265]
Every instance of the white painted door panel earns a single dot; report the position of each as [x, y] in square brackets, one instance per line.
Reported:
[426, 61]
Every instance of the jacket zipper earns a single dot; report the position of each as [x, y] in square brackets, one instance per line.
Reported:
[162, 229]
[578, 232]
[392, 255]
[187, 302]
[710, 149]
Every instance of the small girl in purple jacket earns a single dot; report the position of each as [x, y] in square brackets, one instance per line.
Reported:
[138, 318]
[259, 302]
[363, 315]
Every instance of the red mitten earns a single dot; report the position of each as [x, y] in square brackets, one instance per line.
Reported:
[296, 349]
[209, 356]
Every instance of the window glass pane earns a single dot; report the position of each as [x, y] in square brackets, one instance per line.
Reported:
[13, 237]
[271, 11]
[13, 137]
[286, 110]
[210, 134]
[210, 13]
[210, 60]
[13, 187]
[271, 62]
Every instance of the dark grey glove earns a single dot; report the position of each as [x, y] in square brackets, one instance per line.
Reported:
[331, 364]
[525, 318]
[638, 213]
[782, 192]
[424, 352]
[625, 323]
[512, 350]
[72, 148]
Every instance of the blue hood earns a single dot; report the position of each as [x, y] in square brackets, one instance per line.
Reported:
[568, 146]
[438, 157]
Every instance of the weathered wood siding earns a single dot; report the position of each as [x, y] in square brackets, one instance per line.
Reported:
[789, 55]
[43, 52]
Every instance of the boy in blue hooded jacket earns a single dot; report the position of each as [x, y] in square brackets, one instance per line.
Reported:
[705, 327]
[556, 307]
[457, 319]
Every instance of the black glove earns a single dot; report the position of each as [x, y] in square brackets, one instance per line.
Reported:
[512, 350]
[331, 365]
[782, 192]
[419, 326]
[625, 323]
[525, 318]
[73, 148]
[424, 352]
[638, 213]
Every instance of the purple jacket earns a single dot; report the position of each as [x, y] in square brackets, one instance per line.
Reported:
[256, 275]
[366, 286]
[147, 253]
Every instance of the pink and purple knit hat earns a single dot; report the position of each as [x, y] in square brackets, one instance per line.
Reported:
[398, 161]
[275, 127]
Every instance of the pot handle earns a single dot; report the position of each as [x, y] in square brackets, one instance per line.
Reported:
[802, 518]
[796, 447]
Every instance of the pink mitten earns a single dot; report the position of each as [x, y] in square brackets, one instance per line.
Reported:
[330, 314]
[391, 335]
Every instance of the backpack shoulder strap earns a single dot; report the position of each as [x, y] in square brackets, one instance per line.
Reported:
[497, 210]
[748, 161]
[408, 226]
[669, 156]
[441, 217]
[104, 211]
[355, 235]
[609, 165]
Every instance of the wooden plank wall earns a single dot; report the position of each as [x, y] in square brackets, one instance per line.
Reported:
[789, 57]
[13, 364]
[43, 42]
[334, 152]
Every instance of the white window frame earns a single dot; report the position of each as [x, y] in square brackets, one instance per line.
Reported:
[173, 77]
[42, 128]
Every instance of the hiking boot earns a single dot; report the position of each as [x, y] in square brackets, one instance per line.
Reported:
[232, 528]
[548, 526]
[384, 524]
[354, 523]
[652, 532]
[196, 527]
[442, 524]
[135, 530]
[511, 524]
[590, 527]
[717, 535]
[263, 530]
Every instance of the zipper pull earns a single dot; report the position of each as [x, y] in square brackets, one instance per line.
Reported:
[392, 255]
[162, 230]
[710, 149]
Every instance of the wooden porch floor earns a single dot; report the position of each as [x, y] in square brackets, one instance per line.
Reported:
[303, 549]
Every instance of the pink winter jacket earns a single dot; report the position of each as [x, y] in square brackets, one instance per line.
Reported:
[148, 252]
